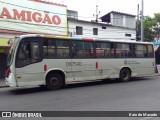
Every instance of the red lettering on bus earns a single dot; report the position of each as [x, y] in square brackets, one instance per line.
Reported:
[56, 19]
[29, 19]
[19, 16]
[47, 19]
[30, 16]
[37, 17]
[5, 13]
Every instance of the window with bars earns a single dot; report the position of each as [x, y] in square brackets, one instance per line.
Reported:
[79, 30]
[95, 31]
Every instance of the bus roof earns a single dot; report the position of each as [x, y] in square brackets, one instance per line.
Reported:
[85, 39]
[124, 41]
[60, 37]
[156, 43]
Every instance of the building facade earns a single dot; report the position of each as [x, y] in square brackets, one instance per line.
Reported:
[114, 25]
[80, 28]
[120, 19]
[57, 21]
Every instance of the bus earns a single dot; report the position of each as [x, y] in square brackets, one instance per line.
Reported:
[53, 61]
[157, 55]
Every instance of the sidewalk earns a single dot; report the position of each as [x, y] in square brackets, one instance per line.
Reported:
[2, 83]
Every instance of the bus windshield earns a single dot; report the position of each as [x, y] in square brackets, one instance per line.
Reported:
[11, 52]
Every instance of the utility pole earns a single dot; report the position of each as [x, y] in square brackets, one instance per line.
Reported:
[138, 12]
[142, 23]
[97, 13]
[137, 25]
[158, 29]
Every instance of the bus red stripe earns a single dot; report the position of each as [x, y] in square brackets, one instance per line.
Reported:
[97, 65]
[45, 68]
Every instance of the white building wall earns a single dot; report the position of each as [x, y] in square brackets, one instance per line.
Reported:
[122, 20]
[117, 19]
[130, 22]
[111, 32]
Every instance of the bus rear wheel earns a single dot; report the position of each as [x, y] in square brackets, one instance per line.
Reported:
[125, 75]
[54, 81]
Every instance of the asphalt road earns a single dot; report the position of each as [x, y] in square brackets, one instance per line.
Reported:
[142, 94]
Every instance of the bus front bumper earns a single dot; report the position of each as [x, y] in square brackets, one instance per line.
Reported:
[11, 81]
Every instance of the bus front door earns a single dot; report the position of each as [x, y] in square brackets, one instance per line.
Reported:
[29, 64]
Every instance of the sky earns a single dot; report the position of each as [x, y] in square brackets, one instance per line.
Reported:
[86, 8]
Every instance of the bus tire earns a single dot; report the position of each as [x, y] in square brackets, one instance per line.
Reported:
[54, 81]
[125, 75]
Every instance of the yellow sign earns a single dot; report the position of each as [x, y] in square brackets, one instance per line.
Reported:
[4, 41]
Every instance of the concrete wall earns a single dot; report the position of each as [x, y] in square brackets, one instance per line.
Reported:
[111, 32]
[122, 20]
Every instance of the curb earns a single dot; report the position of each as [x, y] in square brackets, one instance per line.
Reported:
[3, 86]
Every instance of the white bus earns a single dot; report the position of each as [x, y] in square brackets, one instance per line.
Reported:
[56, 61]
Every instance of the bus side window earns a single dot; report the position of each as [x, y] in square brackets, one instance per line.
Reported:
[82, 49]
[134, 50]
[62, 48]
[76, 49]
[112, 50]
[23, 52]
[35, 50]
[150, 51]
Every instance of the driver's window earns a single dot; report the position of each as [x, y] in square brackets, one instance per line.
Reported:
[24, 50]
[28, 53]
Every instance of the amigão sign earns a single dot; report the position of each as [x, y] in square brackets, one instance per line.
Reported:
[33, 16]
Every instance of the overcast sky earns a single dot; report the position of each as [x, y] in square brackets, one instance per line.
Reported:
[86, 8]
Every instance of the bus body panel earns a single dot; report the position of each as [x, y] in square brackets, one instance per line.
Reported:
[11, 78]
[141, 67]
[11, 81]
[105, 70]
[84, 69]
[32, 74]
[59, 64]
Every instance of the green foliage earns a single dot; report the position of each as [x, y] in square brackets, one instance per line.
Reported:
[151, 27]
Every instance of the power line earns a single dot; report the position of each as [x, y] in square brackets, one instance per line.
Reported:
[86, 33]
[42, 25]
[82, 37]
[30, 8]
[100, 37]
[49, 27]
[49, 12]
[54, 12]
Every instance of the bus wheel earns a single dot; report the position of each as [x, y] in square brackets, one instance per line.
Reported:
[125, 75]
[54, 81]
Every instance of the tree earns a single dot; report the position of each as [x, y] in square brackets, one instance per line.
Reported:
[151, 28]
[149, 33]
[156, 26]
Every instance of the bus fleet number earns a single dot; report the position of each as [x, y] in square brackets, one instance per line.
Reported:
[68, 64]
